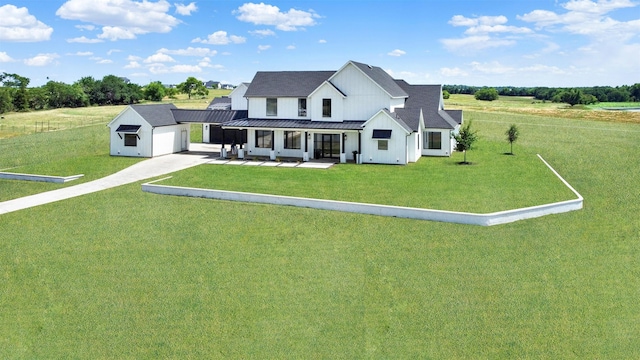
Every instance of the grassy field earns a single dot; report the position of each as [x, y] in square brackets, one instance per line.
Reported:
[21, 123]
[127, 274]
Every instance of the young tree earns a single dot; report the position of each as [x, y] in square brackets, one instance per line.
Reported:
[571, 97]
[190, 86]
[465, 139]
[512, 135]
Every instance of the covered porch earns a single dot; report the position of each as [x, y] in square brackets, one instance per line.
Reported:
[305, 140]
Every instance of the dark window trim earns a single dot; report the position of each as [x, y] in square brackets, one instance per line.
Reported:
[381, 134]
[326, 107]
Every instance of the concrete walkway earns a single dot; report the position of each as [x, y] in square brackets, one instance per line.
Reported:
[145, 169]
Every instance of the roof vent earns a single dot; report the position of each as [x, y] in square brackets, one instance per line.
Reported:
[369, 66]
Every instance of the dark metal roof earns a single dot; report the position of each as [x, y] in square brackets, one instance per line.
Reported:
[208, 116]
[132, 129]
[293, 124]
[382, 78]
[286, 83]
[220, 103]
[156, 114]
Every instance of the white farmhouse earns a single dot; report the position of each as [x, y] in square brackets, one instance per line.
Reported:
[357, 113]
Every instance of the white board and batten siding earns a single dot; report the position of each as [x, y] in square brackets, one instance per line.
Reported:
[238, 101]
[143, 144]
[396, 152]
[171, 139]
[446, 143]
[364, 97]
[326, 91]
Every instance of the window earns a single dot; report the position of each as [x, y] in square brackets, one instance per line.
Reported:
[292, 139]
[263, 138]
[130, 140]
[272, 107]
[381, 134]
[383, 144]
[302, 107]
[434, 140]
[326, 107]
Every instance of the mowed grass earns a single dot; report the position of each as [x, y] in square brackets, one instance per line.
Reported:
[494, 181]
[127, 274]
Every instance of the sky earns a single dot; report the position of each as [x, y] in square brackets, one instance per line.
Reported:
[471, 42]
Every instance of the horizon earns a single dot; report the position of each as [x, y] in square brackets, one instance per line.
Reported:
[526, 44]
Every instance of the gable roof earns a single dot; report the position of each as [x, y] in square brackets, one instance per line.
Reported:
[428, 98]
[220, 103]
[156, 114]
[394, 117]
[381, 78]
[286, 83]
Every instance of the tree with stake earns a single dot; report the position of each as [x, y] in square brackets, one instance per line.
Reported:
[512, 136]
[465, 139]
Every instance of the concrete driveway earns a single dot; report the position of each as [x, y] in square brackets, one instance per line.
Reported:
[145, 169]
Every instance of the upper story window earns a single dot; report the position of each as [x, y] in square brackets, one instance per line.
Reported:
[302, 107]
[272, 107]
[326, 107]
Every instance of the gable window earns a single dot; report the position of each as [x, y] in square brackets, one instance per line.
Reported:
[326, 107]
[130, 140]
[302, 107]
[263, 139]
[272, 107]
[433, 140]
[383, 144]
[292, 139]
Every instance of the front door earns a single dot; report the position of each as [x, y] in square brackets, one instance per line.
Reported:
[327, 146]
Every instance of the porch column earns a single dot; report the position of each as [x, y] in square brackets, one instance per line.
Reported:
[343, 156]
[305, 154]
[359, 156]
[272, 155]
[240, 150]
[223, 150]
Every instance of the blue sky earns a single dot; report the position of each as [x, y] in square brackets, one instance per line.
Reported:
[490, 42]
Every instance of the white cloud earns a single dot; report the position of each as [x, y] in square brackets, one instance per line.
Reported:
[206, 63]
[41, 59]
[262, 33]
[83, 53]
[483, 32]
[322, 41]
[114, 33]
[185, 10]
[264, 14]
[16, 24]
[190, 51]
[133, 58]
[86, 27]
[397, 52]
[453, 72]
[291, 47]
[4, 57]
[220, 38]
[163, 69]
[113, 51]
[159, 58]
[474, 43]
[133, 65]
[493, 67]
[263, 47]
[104, 61]
[121, 19]
[586, 17]
[84, 40]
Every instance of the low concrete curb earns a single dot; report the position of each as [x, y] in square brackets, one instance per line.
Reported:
[40, 178]
[489, 219]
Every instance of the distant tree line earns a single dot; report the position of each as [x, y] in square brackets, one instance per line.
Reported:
[580, 95]
[16, 95]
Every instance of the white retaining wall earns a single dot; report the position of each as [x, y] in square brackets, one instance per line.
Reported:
[41, 178]
[501, 217]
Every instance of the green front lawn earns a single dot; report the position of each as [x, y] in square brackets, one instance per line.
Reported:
[494, 182]
[127, 274]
